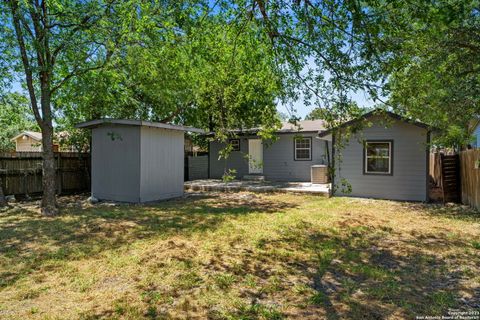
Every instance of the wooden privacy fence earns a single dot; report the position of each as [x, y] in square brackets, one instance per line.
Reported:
[444, 174]
[21, 172]
[435, 169]
[450, 177]
[470, 177]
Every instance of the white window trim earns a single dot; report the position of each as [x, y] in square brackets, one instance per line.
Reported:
[309, 149]
[384, 157]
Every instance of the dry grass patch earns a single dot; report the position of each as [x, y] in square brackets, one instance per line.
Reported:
[239, 256]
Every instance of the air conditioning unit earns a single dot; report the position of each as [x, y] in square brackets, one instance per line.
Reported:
[319, 173]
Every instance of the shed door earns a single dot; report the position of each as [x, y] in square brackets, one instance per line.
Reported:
[255, 156]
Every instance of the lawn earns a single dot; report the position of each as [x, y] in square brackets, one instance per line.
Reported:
[239, 256]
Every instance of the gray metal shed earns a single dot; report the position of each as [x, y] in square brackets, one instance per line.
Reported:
[136, 161]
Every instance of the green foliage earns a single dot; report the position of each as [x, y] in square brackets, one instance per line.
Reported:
[431, 54]
[196, 72]
[229, 175]
[15, 117]
[226, 64]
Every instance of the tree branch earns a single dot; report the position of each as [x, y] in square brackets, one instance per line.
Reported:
[25, 61]
[77, 72]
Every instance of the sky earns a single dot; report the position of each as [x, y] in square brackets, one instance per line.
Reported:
[360, 97]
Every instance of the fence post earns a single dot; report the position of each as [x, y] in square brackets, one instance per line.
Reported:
[3, 202]
[60, 173]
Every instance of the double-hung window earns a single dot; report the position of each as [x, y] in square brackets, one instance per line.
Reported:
[378, 157]
[303, 148]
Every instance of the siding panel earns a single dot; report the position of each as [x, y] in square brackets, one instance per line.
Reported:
[28, 145]
[236, 160]
[197, 167]
[116, 163]
[408, 181]
[278, 159]
[162, 164]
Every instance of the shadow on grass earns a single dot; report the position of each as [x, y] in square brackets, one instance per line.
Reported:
[357, 273]
[29, 241]
[450, 211]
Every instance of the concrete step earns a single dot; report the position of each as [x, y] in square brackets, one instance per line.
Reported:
[253, 177]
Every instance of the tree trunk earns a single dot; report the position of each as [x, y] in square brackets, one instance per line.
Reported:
[49, 202]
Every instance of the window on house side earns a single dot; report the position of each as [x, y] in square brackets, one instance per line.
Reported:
[378, 157]
[303, 149]
[235, 144]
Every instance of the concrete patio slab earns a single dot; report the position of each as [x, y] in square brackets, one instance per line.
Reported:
[257, 186]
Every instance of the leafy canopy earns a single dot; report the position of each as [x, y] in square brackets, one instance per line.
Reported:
[15, 117]
[430, 51]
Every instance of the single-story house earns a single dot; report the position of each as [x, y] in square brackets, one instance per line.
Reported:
[289, 158]
[136, 161]
[386, 157]
[31, 141]
[28, 141]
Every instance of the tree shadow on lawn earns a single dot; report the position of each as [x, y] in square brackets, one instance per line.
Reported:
[449, 210]
[29, 241]
[359, 273]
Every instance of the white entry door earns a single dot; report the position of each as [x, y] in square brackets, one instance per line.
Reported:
[255, 156]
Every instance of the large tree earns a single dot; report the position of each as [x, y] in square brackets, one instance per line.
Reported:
[430, 52]
[226, 50]
[208, 73]
[49, 43]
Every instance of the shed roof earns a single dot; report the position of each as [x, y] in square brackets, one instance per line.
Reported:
[99, 122]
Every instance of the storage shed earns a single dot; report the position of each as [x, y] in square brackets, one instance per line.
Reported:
[136, 161]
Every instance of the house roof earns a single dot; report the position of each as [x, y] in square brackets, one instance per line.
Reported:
[303, 126]
[288, 127]
[99, 122]
[32, 134]
[376, 112]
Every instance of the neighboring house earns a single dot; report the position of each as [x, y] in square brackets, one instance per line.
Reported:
[136, 161]
[476, 135]
[28, 141]
[386, 158]
[289, 158]
[31, 141]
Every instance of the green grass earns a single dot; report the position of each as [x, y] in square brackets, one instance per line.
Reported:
[238, 256]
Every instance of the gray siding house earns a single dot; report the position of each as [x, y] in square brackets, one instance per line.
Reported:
[288, 158]
[386, 158]
[476, 137]
[136, 161]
